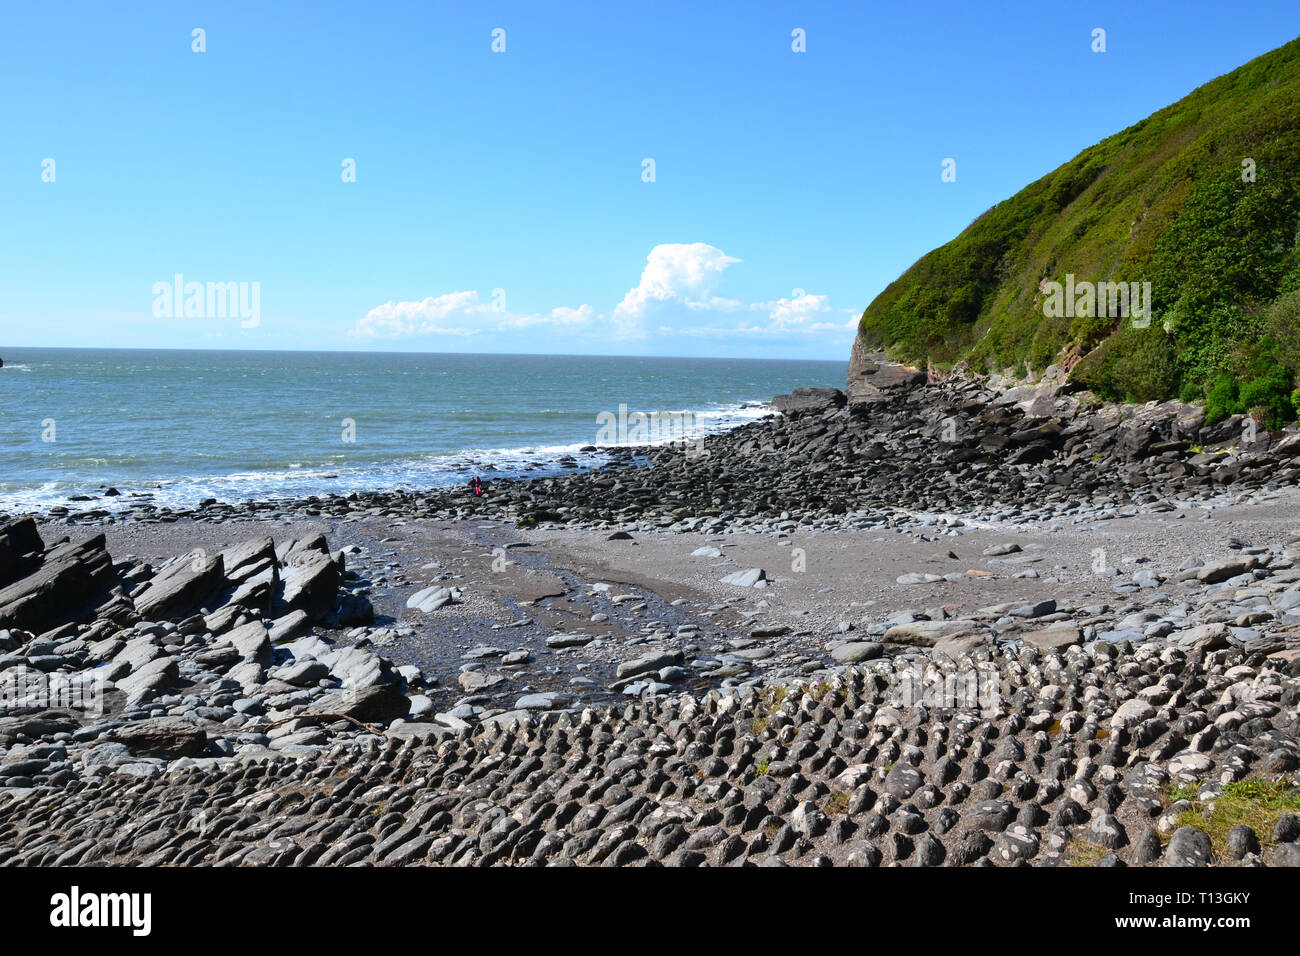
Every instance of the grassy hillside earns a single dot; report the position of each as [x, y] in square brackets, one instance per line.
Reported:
[1163, 201]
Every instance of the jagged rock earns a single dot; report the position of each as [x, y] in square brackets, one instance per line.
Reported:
[70, 581]
[247, 557]
[20, 549]
[379, 703]
[872, 377]
[181, 587]
[310, 580]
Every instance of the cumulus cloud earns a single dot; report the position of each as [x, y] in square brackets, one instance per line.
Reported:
[678, 294]
[675, 272]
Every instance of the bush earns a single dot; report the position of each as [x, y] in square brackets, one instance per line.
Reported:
[1270, 393]
[1222, 400]
[1283, 318]
[1145, 369]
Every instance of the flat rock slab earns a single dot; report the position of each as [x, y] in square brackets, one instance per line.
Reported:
[1053, 638]
[748, 578]
[472, 682]
[252, 642]
[1212, 572]
[918, 577]
[155, 676]
[961, 645]
[854, 652]
[290, 626]
[647, 663]
[569, 640]
[431, 599]
[928, 633]
[547, 701]
[168, 737]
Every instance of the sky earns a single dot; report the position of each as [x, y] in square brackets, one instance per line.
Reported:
[733, 179]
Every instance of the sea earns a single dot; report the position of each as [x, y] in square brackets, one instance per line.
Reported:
[184, 426]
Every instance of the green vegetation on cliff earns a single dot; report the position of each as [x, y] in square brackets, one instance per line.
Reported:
[1201, 199]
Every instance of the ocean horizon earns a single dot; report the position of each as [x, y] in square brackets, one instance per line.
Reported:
[183, 425]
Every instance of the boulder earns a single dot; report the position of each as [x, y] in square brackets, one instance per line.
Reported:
[854, 652]
[180, 588]
[748, 578]
[376, 704]
[252, 642]
[20, 549]
[928, 633]
[167, 737]
[809, 400]
[310, 582]
[647, 663]
[1053, 638]
[151, 678]
[67, 584]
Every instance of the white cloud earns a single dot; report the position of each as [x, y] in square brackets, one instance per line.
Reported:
[678, 291]
[675, 272]
[561, 316]
[458, 313]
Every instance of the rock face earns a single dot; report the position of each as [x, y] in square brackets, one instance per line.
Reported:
[873, 378]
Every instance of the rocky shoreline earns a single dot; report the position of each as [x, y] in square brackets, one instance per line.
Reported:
[547, 674]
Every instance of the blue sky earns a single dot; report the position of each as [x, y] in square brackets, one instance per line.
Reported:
[500, 201]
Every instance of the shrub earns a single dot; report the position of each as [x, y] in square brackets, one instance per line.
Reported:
[1283, 323]
[1222, 400]
[1270, 393]
[1144, 370]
